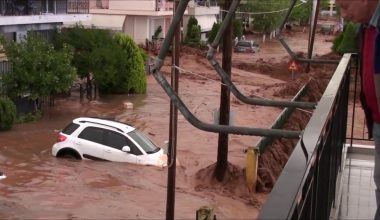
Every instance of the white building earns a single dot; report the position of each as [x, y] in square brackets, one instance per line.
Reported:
[205, 12]
[140, 19]
[17, 18]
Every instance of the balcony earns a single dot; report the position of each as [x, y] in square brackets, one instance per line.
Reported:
[203, 7]
[43, 7]
[131, 5]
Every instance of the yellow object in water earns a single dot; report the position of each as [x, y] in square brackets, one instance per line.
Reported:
[251, 169]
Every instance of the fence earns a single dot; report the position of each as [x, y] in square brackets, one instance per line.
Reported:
[307, 186]
[5, 66]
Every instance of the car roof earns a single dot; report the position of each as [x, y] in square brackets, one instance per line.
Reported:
[105, 122]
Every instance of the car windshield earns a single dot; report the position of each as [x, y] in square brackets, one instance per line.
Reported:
[144, 142]
[244, 44]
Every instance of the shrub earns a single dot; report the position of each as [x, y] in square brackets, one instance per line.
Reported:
[337, 41]
[212, 34]
[157, 33]
[237, 28]
[7, 114]
[37, 68]
[193, 35]
[346, 42]
[120, 67]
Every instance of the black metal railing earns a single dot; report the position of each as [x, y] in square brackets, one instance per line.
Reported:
[78, 6]
[306, 188]
[5, 67]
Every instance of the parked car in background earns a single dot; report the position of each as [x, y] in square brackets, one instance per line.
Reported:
[100, 139]
[246, 46]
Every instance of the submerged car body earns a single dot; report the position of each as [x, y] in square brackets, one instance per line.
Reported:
[246, 46]
[100, 139]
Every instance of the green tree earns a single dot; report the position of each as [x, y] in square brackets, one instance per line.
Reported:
[85, 42]
[115, 61]
[212, 34]
[37, 68]
[348, 42]
[134, 61]
[237, 25]
[267, 22]
[7, 113]
[193, 35]
[301, 13]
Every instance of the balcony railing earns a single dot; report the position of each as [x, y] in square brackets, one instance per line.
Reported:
[307, 186]
[38, 7]
[163, 5]
[207, 3]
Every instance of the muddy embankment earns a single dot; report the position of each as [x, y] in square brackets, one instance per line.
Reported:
[273, 160]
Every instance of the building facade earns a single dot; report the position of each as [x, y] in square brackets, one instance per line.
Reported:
[141, 18]
[18, 17]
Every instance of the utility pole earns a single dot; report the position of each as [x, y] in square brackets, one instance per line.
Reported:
[224, 110]
[172, 148]
[313, 27]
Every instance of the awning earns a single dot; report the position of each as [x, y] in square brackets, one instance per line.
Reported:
[206, 22]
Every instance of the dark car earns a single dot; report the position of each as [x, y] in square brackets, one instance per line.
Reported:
[246, 46]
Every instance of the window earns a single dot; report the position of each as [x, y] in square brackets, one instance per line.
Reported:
[143, 141]
[134, 149]
[118, 141]
[92, 134]
[115, 140]
[70, 128]
[99, 3]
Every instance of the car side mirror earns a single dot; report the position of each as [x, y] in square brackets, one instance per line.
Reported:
[126, 149]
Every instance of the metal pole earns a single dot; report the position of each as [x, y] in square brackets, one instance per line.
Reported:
[170, 34]
[304, 60]
[172, 149]
[182, 107]
[313, 27]
[227, 79]
[287, 15]
[224, 110]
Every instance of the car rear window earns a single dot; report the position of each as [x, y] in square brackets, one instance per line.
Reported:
[70, 128]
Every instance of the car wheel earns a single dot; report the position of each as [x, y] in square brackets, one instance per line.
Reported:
[69, 154]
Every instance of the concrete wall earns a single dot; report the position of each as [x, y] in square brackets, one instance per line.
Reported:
[146, 5]
[113, 22]
[137, 27]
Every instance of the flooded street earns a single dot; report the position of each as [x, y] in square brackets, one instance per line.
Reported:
[40, 186]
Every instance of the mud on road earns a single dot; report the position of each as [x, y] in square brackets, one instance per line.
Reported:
[40, 186]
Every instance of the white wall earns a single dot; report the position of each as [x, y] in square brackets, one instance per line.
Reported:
[137, 27]
[141, 28]
[113, 22]
[146, 5]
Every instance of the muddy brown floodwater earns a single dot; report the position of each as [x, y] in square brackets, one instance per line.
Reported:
[40, 186]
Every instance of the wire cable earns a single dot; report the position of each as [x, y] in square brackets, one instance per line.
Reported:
[266, 12]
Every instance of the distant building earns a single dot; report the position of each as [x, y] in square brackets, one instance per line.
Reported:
[17, 18]
[140, 19]
[206, 12]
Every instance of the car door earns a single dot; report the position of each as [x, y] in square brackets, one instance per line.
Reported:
[90, 142]
[114, 144]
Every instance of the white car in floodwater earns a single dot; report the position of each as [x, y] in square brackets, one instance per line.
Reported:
[101, 139]
[2, 176]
